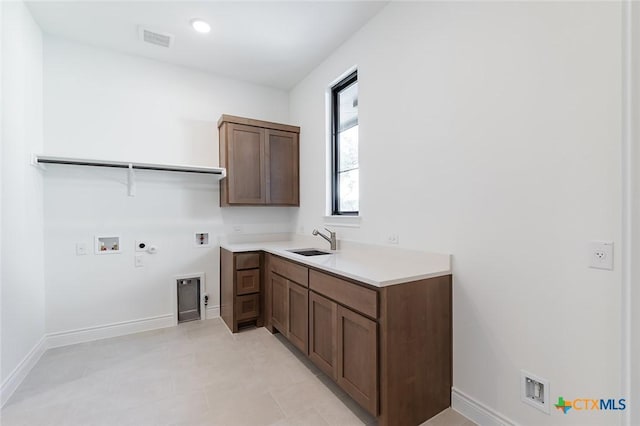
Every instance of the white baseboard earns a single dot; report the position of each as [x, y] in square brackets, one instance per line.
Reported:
[477, 411]
[89, 334]
[212, 312]
[18, 374]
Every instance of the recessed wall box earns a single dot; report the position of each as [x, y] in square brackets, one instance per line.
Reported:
[535, 391]
[107, 245]
[202, 239]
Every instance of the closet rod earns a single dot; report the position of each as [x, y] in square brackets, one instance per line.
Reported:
[45, 159]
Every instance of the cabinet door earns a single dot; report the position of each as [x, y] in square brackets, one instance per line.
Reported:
[298, 328]
[279, 303]
[358, 358]
[247, 172]
[283, 167]
[323, 334]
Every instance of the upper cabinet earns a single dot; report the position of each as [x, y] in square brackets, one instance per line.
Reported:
[262, 162]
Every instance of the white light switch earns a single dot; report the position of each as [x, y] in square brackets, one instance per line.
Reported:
[600, 255]
[81, 249]
[139, 260]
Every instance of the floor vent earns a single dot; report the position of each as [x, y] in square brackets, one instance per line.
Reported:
[155, 37]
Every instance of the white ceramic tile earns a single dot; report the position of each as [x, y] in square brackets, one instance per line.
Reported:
[302, 396]
[244, 408]
[308, 417]
[194, 374]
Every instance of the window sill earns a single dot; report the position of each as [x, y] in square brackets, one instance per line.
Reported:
[343, 221]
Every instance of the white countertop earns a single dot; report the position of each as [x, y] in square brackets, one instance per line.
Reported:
[378, 266]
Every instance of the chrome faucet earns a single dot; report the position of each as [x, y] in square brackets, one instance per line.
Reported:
[331, 238]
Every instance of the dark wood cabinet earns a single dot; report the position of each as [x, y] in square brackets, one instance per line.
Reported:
[282, 159]
[247, 282]
[389, 348]
[240, 288]
[246, 170]
[247, 307]
[288, 301]
[353, 343]
[298, 317]
[279, 308]
[323, 334]
[262, 162]
[358, 358]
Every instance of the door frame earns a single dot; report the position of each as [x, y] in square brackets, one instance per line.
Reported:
[630, 239]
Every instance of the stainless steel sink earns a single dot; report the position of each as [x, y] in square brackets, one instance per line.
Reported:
[309, 252]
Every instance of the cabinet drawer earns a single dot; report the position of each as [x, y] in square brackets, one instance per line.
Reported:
[247, 307]
[247, 281]
[247, 261]
[351, 295]
[296, 273]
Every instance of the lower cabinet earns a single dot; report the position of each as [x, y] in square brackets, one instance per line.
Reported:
[344, 345]
[298, 319]
[240, 290]
[278, 287]
[289, 306]
[358, 358]
[323, 345]
[389, 348]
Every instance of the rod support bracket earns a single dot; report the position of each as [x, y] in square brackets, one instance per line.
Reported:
[131, 181]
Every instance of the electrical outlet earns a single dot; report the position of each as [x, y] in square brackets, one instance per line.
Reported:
[600, 255]
[393, 239]
[535, 391]
[139, 261]
[237, 229]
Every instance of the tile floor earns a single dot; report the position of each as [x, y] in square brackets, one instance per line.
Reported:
[195, 374]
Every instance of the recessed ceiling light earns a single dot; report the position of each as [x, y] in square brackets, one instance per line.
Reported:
[200, 26]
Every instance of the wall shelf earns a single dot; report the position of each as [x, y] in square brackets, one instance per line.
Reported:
[219, 172]
[46, 159]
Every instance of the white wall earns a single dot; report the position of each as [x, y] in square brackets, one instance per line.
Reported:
[22, 234]
[101, 104]
[492, 131]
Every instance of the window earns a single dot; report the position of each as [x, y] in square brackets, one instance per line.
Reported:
[344, 142]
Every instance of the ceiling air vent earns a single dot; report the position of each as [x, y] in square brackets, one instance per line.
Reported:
[155, 37]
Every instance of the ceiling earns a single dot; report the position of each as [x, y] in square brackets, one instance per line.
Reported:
[265, 42]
